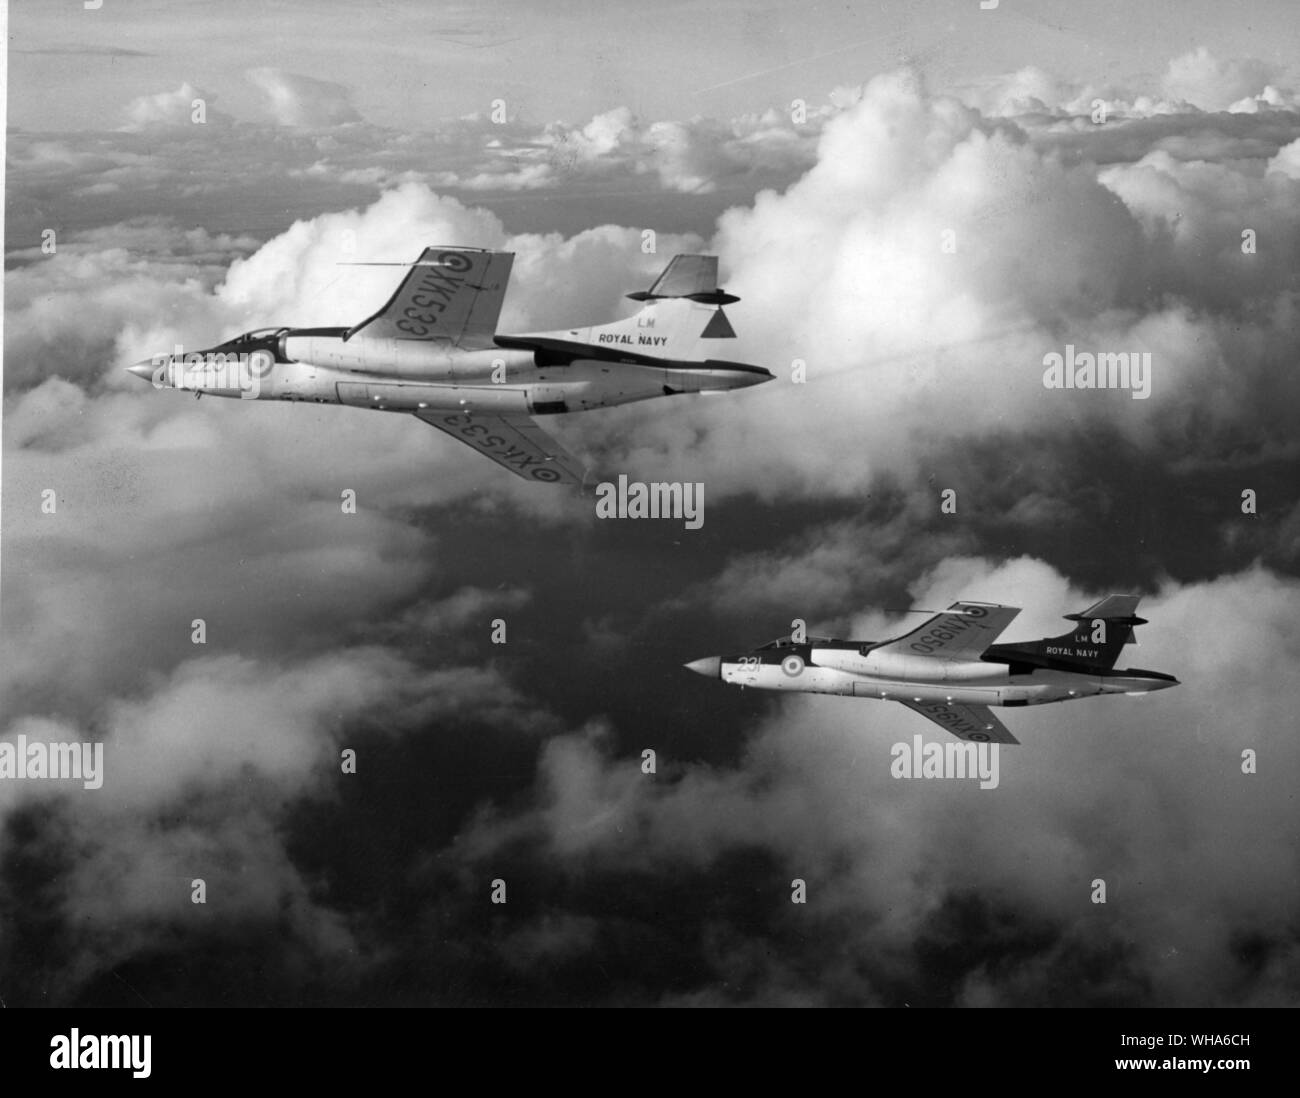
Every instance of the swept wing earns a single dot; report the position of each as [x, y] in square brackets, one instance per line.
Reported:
[967, 722]
[451, 294]
[514, 442]
[962, 632]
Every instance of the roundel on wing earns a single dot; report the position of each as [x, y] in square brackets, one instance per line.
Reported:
[978, 737]
[977, 612]
[549, 476]
[455, 261]
[792, 665]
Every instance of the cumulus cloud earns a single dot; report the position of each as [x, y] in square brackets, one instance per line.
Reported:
[1287, 160]
[1195, 82]
[1212, 84]
[818, 572]
[295, 100]
[1027, 91]
[197, 774]
[695, 157]
[847, 272]
[186, 106]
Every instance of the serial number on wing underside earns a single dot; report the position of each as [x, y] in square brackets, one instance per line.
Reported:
[530, 463]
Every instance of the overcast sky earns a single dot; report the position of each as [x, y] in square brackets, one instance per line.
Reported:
[326, 140]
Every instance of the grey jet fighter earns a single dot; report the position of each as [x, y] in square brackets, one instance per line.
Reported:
[950, 671]
[433, 351]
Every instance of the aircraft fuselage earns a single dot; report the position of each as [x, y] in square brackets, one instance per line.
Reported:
[844, 668]
[321, 366]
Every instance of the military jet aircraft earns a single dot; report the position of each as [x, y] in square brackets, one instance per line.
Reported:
[433, 351]
[949, 669]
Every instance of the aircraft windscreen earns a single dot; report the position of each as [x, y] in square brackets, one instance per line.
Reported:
[788, 642]
[259, 337]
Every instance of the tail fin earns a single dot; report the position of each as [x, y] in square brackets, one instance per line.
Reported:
[683, 307]
[681, 317]
[1097, 639]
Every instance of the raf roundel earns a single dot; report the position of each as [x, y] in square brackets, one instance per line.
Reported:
[549, 476]
[792, 666]
[260, 363]
[979, 737]
[977, 612]
[455, 262]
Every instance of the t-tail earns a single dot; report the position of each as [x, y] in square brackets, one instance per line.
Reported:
[1093, 645]
[682, 317]
[681, 320]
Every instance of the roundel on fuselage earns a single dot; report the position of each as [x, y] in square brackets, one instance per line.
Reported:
[261, 362]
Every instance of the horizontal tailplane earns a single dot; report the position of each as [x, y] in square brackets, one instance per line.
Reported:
[1094, 644]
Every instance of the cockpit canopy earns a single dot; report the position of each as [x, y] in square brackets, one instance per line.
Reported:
[788, 642]
[257, 340]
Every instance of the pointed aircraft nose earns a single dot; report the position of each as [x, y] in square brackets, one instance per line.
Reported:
[143, 369]
[710, 666]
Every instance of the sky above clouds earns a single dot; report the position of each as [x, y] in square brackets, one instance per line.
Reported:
[919, 125]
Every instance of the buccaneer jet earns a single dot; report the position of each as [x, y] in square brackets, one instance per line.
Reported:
[433, 351]
[949, 669]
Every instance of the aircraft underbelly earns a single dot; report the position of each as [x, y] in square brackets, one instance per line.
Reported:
[955, 694]
[399, 397]
[1004, 691]
[592, 383]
